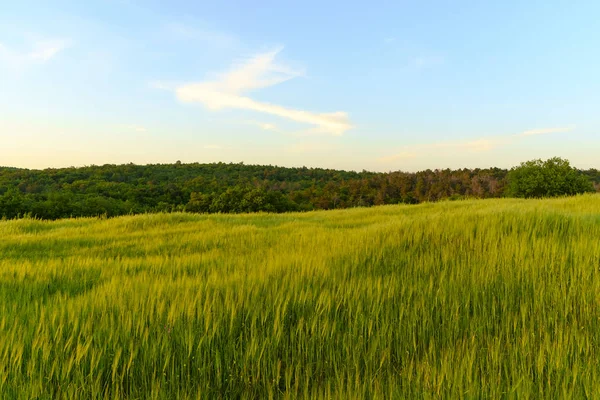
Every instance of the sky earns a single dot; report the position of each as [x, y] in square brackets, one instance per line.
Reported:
[379, 86]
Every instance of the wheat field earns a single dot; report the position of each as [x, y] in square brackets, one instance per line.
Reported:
[468, 299]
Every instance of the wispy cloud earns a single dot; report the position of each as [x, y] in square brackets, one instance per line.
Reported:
[532, 132]
[299, 133]
[261, 71]
[469, 146]
[47, 49]
[478, 145]
[40, 51]
[137, 128]
[267, 126]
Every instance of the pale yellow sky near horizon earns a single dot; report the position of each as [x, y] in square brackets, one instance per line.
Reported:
[50, 144]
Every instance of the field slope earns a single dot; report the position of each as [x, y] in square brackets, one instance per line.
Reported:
[469, 299]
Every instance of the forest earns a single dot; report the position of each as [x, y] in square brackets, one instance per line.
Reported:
[112, 190]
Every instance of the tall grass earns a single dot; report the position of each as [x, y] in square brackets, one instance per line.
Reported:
[470, 299]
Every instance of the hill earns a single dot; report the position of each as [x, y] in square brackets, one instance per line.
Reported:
[481, 299]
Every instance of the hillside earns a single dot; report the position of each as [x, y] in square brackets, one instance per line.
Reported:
[480, 299]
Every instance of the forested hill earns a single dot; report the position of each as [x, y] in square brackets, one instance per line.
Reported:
[122, 189]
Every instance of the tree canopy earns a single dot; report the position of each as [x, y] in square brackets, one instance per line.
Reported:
[553, 177]
[113, 190]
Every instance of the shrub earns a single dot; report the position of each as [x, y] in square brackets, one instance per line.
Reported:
[550, 178]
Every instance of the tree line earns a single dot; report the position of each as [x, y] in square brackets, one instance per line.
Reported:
[113, 190]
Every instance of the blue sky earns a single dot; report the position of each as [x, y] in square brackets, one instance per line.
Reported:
[382, 86]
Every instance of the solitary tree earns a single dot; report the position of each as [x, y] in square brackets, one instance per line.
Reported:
[553, 177]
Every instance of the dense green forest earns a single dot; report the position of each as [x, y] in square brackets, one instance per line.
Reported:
[124, 189]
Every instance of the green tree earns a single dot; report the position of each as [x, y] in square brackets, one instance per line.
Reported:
[12, 204]
[553, 177]
[199, 203]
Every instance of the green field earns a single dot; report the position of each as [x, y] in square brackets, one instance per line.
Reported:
[467, 299]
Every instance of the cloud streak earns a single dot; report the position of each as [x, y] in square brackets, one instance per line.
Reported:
[470, 146]
[267, 126]
[229, 91]
[39, 52]
[532, 132]
[46, 50]
[137, 128]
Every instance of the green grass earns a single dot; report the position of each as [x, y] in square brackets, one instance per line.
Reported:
[469, 299]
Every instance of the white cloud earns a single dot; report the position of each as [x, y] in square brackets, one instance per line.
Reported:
[469, 146]
[260, 71]
[478, 145]
[45, 50]
[267, 126]
[138, 128]
[38, 52]
[545, 131]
